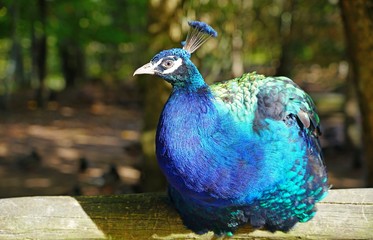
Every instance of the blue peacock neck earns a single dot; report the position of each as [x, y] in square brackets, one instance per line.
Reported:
[189, 80]
[187, 118]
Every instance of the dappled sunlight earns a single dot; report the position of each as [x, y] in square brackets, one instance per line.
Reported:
[129, 174]
[40, 152]
[37, 182]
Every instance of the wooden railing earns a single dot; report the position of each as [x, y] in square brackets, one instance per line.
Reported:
[343, 214]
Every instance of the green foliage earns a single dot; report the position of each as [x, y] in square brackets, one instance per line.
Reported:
[104, 31]
[312, 29]
[113, 35]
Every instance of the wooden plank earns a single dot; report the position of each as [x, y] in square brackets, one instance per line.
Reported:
[344, 214]
[45, 218]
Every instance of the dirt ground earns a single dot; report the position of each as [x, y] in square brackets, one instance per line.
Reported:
[91, 146]
[84, 144]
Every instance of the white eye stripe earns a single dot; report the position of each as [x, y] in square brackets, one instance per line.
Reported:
[159, 62]
[176, 65]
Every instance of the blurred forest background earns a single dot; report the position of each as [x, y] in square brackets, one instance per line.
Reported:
[74, 121]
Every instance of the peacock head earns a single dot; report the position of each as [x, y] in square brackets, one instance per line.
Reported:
[174, 65]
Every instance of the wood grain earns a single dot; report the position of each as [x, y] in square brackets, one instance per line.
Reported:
[344, 214]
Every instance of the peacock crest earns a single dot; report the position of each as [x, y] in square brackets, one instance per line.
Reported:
[198, 34]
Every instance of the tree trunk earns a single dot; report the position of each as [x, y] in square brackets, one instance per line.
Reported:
[16, 54]
[41, 54]
[286, 29]
[358, 21]
[15, 68]
[72, 62]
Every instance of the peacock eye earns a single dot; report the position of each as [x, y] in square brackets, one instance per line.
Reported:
[168, 63]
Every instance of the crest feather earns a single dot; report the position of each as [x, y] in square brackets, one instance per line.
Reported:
[198, 34]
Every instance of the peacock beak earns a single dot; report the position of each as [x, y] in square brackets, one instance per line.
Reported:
[146, 69]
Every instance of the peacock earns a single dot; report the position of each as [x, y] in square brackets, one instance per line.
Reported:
[241, 151]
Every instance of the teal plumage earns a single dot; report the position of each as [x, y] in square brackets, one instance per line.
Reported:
[240, 151]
